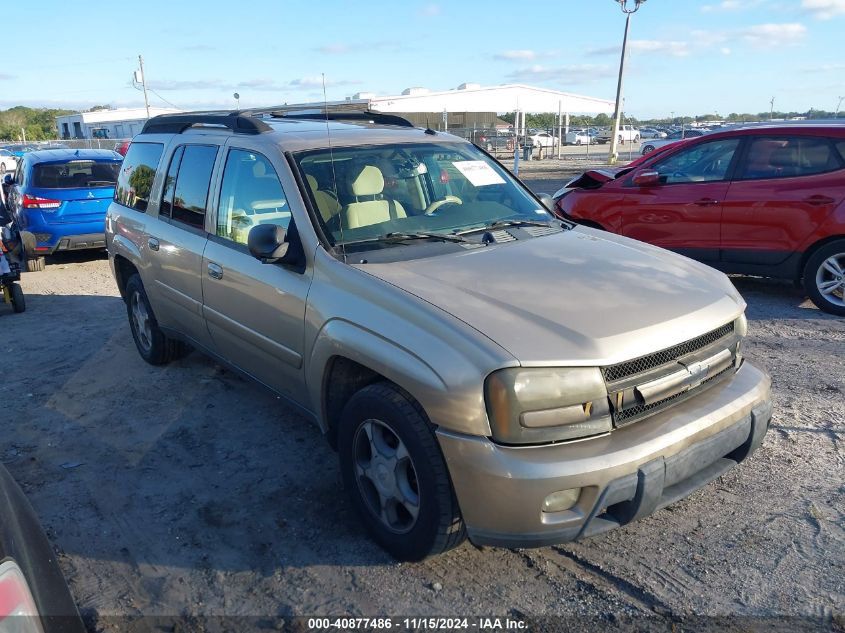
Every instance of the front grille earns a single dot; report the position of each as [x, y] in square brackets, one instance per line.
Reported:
[645, 363]
[627, 416]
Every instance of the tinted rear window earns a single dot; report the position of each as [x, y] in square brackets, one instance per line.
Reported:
[75, 174]
[137, 173]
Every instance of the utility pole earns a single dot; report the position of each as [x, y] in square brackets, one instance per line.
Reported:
[144, 84]
[614, 141]
[836, 114]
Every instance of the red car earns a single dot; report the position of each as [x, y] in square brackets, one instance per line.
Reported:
[766, 201]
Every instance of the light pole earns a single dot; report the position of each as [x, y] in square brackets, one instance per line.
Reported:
[614, 141]
[836, 114]
[237, 99]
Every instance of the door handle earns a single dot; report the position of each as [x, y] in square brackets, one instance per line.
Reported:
[215, 271]
[706, 202]
[819, 199]
[153, 244]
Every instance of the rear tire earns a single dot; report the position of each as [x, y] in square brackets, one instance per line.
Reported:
[153, 346]
[824, 277]
[396, 477]
[18, 300]
[36, 265]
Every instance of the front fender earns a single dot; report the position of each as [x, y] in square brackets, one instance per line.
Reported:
[449, 402]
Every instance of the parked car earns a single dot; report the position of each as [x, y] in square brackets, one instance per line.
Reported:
[415, 300]
[764, 201]
[578, 137]
[61, 196]
[673, 137]
[627, 133]
[18, 149]
[649, 133]
[495, 141]
[8, 161]
[121, 147]
[34, 597]
[544, 139]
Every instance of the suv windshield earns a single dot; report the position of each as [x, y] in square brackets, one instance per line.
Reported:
[370, 192]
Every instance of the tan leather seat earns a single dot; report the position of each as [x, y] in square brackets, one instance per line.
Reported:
[369, 183]
[327, 205]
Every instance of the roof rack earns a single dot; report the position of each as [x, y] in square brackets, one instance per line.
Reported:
[238, 122]
[335, 111]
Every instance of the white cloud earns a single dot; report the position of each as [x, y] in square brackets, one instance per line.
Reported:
[516, 55]
[570, 74]
[725, 50]
[824, 9]
[316, 81]
[731, 5]
[773, 35]
[197, 84]
[430, 10]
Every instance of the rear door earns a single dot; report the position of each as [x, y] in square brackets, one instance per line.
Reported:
[785, 187]
[255, 312]
[177, 240]
[683, 213]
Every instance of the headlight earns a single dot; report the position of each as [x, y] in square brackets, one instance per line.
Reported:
[542, 405]
[741, 325]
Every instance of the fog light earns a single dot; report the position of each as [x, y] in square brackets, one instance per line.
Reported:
[561, 500]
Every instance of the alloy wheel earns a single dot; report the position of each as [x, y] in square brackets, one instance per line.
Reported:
[141, 321]
[386, 476]
[830, 279]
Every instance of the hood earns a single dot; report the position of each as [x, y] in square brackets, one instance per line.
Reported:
[580, 297]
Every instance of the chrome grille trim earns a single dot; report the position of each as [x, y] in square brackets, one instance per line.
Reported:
[617, 372]
[628, 416]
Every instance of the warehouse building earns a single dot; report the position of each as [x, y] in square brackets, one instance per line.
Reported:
[106, 124]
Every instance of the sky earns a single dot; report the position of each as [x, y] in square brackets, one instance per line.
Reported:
[685, 56]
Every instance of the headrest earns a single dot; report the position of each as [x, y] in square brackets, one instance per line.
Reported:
[369, 182]
[312, 182]
[784, 157]
[259, 169]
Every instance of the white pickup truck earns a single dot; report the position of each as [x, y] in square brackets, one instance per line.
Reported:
[627, 133]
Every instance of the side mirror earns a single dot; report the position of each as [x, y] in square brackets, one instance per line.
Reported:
[547, 201]
[267, 243]
[7, 179]
[647, 178]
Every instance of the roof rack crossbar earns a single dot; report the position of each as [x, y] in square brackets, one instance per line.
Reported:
[367, 116]
[178, 123]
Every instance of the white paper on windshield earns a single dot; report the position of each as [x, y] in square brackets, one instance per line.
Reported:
[478, 173]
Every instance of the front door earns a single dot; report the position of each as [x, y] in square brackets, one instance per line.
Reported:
[255, 312]
[683, 213]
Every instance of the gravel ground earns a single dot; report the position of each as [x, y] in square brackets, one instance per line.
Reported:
[187, 491]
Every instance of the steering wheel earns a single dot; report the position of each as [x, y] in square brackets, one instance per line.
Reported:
[430, 209]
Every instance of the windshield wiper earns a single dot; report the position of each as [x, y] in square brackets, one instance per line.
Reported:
[501, 223]
[404, 237]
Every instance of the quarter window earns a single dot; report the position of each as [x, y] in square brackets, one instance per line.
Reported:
[250, 194]
[137, 172]
[704, 162]
[787, 157]
[190, 192]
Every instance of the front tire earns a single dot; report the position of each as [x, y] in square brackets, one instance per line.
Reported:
[396, 477]
[648, 149]
[18, 300]
[824, 277]
[153, 346]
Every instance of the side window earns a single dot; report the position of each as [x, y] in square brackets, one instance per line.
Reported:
[840, 146]
[165, 209]
[137, 173]
[250, 194]
[704, 162]
[190, 193]
[787, 157]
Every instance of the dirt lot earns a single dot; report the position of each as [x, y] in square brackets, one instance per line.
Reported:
[188, 491]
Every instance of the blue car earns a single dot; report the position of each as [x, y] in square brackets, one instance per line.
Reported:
[61, 196]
